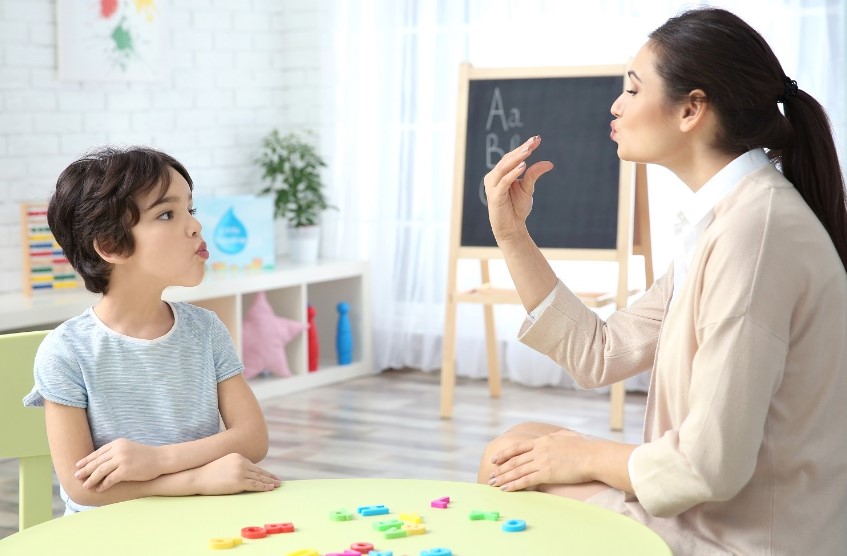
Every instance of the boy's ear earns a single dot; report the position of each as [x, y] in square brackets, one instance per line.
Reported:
[693, 110]
[108, 256]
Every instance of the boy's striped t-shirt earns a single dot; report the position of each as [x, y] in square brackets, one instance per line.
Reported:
[154, 392]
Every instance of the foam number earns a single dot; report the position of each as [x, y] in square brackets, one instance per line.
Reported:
[437, 552]
[514, 526]
[388, 524]
[341, 515]
[254, 532]
[277, 528]
[224, 543]
[362, 547]
[372, 510]
[440, 503]
[414, 529]
[410, 518]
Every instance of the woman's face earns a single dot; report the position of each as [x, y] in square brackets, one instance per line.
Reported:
[645, 127]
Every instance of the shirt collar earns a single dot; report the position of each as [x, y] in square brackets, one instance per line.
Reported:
[720, 185]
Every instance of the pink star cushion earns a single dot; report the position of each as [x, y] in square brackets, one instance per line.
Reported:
[264, 336]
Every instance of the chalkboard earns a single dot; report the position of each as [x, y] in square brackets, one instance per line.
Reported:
[591, 207]
[575, 205]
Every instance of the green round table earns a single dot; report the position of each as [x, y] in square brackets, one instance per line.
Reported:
[185, 525]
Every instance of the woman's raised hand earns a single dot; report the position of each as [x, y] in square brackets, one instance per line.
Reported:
[509, 195]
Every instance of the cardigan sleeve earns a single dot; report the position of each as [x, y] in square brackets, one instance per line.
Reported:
[596, 352]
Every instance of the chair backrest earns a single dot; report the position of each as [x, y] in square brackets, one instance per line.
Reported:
[24, 434]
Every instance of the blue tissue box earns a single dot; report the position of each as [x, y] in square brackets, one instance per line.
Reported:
[238, 230]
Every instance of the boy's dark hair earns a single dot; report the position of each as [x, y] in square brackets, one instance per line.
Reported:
[96, 200]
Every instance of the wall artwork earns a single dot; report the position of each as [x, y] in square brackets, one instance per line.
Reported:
[109, 40]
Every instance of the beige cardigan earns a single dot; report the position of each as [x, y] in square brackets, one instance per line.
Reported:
[745, 434]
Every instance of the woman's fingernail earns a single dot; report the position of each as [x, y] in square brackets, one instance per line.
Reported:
[522, 164]
[492, 480]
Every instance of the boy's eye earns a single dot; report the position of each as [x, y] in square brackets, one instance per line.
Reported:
[631, 91]
[192, 211]
[167, 215]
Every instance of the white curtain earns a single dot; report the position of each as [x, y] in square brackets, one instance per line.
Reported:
[390, 82]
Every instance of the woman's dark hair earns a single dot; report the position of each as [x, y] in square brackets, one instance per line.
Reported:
[715, 51]
[96, 200]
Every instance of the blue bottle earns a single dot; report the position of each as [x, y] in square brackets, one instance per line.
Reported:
[343, 336]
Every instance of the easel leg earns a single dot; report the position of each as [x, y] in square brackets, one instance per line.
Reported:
[491, 349]
[617, 397]
[490, 336]
[642, 244]
[448, 361]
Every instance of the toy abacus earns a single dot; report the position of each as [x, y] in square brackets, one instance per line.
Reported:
[45, 266]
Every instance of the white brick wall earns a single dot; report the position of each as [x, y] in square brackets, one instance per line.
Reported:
[234, 70]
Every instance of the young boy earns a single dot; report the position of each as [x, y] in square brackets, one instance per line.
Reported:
[135, 388]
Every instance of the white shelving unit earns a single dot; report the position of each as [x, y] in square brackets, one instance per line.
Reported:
[289, 289]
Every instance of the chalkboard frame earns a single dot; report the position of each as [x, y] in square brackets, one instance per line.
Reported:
[468, 73]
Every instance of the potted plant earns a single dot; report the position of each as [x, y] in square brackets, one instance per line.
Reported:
[291, 168]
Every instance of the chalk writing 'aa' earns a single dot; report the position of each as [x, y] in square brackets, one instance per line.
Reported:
[507, 121]
[503, 122]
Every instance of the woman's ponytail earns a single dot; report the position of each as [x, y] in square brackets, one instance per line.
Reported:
[810, 162]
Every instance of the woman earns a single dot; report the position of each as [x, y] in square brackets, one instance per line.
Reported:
[744, 451]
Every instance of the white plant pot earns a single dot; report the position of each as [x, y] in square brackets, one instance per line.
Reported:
[303, 243]
[280, 237]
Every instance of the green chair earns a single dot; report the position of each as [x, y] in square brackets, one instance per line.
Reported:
[24, 435]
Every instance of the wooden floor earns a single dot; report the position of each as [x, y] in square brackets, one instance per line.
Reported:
[387, 425]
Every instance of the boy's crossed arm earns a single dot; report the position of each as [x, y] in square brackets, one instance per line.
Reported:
[223, 463]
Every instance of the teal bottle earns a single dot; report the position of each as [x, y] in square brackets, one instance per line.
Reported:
[344, 336]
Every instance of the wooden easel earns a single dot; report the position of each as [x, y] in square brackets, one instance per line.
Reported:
[633, 237]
